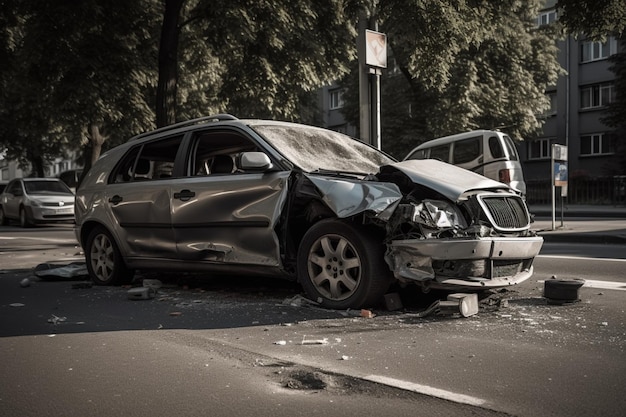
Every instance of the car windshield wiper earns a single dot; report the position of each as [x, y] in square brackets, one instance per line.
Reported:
[338, 173]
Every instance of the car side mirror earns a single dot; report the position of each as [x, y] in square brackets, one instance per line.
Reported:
[254, 161]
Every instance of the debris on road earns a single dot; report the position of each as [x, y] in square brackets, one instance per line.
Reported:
[56, 319]
[141, 293]
[155, 284]
[72, 270]
[393, 301]
[323, 341]
[25, 283]
[299, 301]
[367, 314]
[562, 291]
[281, 343]
[17, 305]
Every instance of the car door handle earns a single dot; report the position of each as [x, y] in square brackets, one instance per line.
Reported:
[116, 199]
[184, 195]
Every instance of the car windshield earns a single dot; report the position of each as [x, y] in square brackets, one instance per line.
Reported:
[46, 187]
[315, 149]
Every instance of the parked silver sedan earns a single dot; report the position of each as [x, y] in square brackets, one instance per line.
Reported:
[265, 197]
[36, 200]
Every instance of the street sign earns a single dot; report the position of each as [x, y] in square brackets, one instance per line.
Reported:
[376, 49]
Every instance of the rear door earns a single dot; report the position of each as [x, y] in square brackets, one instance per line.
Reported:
[139, 198]
[221, 214]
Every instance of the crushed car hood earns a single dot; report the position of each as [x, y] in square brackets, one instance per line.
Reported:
[447, 179]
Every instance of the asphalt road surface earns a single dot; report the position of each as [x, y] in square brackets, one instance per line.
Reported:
[243, 346]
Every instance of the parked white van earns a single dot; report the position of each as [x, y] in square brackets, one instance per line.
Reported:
[486, 152]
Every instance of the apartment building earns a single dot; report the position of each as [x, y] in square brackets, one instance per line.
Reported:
[578, 102]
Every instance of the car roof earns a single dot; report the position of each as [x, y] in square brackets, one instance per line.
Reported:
[223, 119]
[29, 179]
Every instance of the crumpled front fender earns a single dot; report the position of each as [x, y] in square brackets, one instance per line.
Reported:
[347, 198]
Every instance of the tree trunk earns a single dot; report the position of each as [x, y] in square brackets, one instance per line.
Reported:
[168, 64]
[97, 140]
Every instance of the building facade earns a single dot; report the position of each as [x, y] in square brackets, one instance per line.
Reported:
[578, 104]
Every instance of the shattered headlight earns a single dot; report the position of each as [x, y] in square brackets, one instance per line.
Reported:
[439, 214]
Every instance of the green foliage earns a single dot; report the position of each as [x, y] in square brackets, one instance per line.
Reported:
[272, 53]
[80, 73]
[596, 19]
[75, 67]
[463, 65]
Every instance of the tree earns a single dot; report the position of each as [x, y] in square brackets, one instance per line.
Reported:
[79, 75]
[463, 65]
[273, 54]
[93, 73]
[596, 19]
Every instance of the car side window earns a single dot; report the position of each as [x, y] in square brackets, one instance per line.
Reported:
[495, 147]
[150, 161]
[217, 152]
[15, 188]
[441, 153]
[466, 150]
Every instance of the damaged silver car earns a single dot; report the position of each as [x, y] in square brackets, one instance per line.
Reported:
[225, 195]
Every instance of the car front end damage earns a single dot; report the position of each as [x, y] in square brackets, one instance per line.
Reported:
[446, 228]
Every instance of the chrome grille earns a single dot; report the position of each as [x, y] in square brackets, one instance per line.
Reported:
[506, 212]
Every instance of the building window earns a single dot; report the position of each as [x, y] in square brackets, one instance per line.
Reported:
[335, 99]
[596, 144]
[553, 100]
[597, 95]
[546, 17]
[539, 149]
[594, 51]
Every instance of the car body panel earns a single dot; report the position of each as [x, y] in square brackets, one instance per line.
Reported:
[230, 218]
[447, 179]
[143, 216]
[350, 197]
[412, 259]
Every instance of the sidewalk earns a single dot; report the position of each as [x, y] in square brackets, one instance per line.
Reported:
[581, 224]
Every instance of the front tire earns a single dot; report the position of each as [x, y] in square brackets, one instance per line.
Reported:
[3, 219]
[341, 266]
[25, 221]
[104, 260]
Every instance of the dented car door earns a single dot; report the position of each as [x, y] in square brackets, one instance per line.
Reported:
[229, 218]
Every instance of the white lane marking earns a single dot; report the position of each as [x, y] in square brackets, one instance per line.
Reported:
[607, 285]
[425, 389]
[582, 258]
[38, 239]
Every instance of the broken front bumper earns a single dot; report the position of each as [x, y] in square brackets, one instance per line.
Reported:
[478, 263]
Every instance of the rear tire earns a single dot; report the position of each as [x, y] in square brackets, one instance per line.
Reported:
[104, 260]
[341, 266]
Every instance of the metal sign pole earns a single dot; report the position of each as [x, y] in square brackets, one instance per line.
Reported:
[553, 186]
